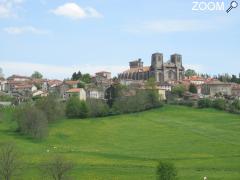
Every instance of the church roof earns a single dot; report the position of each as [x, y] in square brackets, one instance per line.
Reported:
[142, 69]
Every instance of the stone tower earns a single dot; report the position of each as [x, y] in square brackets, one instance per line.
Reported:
[157, 61]
[177, 60]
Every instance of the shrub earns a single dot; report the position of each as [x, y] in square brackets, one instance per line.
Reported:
[9, 162]
[76, 108]
[141, 101]
[192, 88]
[179, 90]
[166, 171]
[31, 121]
[97, 108]
[204, 103]
[219, 104]
[58, 168]
[53, 109]
[235, 106]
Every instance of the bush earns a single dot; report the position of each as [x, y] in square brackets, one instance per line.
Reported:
[219, 104]
[76, 108]
[179, 90]
[97, 108]
[166, 171]
[235, 106]
[143, 100]
[31, 121]
[204, 103]
[189, 103]
[53, 109]
[193, 89]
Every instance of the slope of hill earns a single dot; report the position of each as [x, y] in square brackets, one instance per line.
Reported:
[199, 142]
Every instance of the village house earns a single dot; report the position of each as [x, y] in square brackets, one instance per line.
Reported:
[18, 78]
[95, 92]
[214, 87]
[78, 92]
[236, 90]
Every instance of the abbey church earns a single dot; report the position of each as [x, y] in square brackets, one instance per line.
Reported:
[171, 70]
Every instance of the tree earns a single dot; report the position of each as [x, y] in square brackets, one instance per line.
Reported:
[76, 76]
[193, 88]
[179, 90]
[37, 75]
[151, 83]
[166, 171]
[52, 108]
[72, 107]
[86, 78]
[58, 168]
[97, 108]
[31, 121]
[1, 73]
[190, 72]
[8, 161]
[76, 108]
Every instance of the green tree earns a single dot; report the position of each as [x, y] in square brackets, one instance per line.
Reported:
[86, 78]
[219, 104]
[51, 106]
[151, 83]
[76, 76]
[193, 88]
[1, 73]
[190, 72]
[76, 108]
[204, 103]
[97, 108]
[166, 171]
[179, 90]
[31, 121]
[37, 75]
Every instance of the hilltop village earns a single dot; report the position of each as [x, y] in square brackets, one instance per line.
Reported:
[166, 75]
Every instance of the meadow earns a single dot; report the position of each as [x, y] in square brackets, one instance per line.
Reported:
[200, 142]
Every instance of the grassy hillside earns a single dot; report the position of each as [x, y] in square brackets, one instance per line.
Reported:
[199, 142]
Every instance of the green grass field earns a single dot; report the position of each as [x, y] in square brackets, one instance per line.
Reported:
[199, 142]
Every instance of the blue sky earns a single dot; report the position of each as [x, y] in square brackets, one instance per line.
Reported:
[58, 37]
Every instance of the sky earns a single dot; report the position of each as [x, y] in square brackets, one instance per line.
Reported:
[59, 37]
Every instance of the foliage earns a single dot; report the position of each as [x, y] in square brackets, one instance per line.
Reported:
[229, 78]
[76, 108]
[51, 106]
[190, 72]
[179, 90]
[193, 88]
[9, 161]
[235, 106]
[219, 104]
[151, 83]
[1, 73]
[166, 171]
[31, 121]
[143, 100]
[58, 168]
[114, 92]
[6, 98]
[86, 78]
[97, 108]
[37, 75]
[204, 103]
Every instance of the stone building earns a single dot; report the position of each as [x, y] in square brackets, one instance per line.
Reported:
[172, 70]
[215, 87]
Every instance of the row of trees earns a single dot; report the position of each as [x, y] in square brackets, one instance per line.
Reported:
[33, 118]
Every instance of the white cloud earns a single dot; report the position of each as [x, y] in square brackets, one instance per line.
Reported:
[54, 71]
[168, 26]
[24, 30]
[9, 8]
[74, 11]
